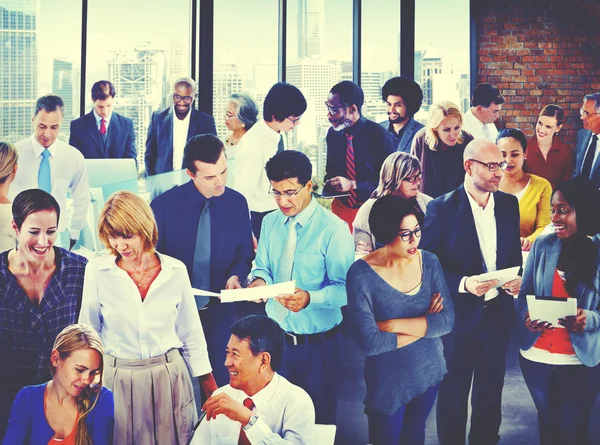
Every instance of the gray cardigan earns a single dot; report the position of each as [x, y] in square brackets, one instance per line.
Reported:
[537, 280]
[396, 376]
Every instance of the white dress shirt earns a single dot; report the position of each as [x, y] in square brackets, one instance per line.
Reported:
[180, 132]
[478, 129]
[67, 174]
[258, 145]
[485, 225]
[99, 120]
[286, 415]
[134, 329]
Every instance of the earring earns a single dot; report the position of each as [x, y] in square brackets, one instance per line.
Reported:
[243, 125]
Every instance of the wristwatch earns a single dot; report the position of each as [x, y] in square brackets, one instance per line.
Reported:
[251, 422]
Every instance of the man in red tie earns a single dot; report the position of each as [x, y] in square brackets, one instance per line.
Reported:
[258, 406]
[356, 149]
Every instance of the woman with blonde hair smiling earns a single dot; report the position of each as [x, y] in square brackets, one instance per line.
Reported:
[141, 303]
[439, 147]
[8, 170]
[400, 175]
[73, 408]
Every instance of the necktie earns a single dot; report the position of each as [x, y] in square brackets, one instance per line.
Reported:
[102, 126]
[44, 182]
[286, 263]
[248, 403]
[486, 132]
[281, 145]
[201, 267]
[586, 170]
[350, 169]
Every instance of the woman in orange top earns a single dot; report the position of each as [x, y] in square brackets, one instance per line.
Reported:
[547, 155]
[561, 363]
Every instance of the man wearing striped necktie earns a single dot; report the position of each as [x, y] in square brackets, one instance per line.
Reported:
[308, 244]
[356, 149]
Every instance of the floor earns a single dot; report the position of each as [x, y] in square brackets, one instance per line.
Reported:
[519, 424]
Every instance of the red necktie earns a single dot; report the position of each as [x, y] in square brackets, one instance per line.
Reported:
[102, 127]
[248, 403]
[350, 169]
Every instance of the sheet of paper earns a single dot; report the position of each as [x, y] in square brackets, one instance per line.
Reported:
[204, 293]
[255, 293]
[550, 309]
[503, 276]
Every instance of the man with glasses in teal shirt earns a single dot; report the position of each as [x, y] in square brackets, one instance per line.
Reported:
[306, 243]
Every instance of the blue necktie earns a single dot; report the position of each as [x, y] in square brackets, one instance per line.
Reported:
[201, 266]
[44, 182]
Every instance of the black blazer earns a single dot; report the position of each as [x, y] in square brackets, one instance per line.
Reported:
[120, 140]
[159, 143]
[583, 140]
[449, 232]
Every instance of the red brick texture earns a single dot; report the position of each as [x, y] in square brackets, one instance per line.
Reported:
[539, 52]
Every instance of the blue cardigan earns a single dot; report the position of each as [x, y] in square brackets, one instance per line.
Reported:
[537, 280]
[28, 424]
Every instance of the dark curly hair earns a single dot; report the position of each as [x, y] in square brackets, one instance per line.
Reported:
[409, 90]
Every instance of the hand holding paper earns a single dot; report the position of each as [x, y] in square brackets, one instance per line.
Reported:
[256, 293]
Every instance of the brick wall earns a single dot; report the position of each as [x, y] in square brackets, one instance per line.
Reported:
[539, 52]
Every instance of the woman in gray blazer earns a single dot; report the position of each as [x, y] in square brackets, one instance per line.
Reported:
[561, 363]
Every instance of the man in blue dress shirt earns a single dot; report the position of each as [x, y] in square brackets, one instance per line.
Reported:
[207, 226]
[308, 244]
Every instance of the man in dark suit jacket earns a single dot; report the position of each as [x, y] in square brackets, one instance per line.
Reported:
[103, 133]
[224, 259]
[587, 148]
[170, 129]
[472, 230]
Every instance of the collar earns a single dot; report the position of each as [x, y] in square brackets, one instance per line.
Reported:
[98, 118]
[403, 129]
[355, 129]
[268, 131]
[476, 208]
[304, 216]
[195, 197]
[38, 148]
[108, 263]
[185, 120]
[262, 397]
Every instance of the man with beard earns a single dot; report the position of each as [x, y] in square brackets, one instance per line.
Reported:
[356, 149]
[170, 129]
[403, 98]
[472, 230]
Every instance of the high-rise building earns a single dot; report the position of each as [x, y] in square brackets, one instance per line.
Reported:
[62, 85]
[430, 65]
[19, 73]
[178, 59]
[141, 82]
[265, 76]
[311, 27]
[227, 80]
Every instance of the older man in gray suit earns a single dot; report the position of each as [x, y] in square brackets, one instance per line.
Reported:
[587, 163]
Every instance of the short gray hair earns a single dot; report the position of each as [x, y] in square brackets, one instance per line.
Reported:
[247, 110]
[595, 97]
[188, 82]
[49, 103]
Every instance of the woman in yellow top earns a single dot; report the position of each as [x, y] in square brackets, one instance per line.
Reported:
[533, 192]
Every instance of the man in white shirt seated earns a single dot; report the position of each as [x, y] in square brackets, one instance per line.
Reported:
[258, 406]
[486, 104]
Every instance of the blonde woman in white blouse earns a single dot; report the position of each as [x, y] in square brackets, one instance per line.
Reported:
[141, 304]
[8, 171]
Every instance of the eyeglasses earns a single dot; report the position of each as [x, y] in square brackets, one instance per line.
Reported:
[288, 193]
[585, 113]
[186, 99]
[407, 235]
[333, 110]
[492, 166]
[413, 179]
[294, 121]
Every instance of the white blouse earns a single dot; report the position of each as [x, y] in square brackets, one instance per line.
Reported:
[134, 329]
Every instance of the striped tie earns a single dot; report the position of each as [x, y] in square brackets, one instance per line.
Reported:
[286, 264]
[350, 170]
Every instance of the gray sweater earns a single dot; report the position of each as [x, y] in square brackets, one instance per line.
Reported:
[396, 376]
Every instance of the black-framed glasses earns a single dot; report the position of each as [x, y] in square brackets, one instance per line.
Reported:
[585, 113]
[186, 99]
[288, 193]
[294, 121]
[492, 166]
[407, 235]
[333, 110]
[413, 179]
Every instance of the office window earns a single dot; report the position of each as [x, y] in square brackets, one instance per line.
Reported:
[319, 55]
[40, 53]
[141, 46]
[442, 64]
[380, 52]
[245, 53]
